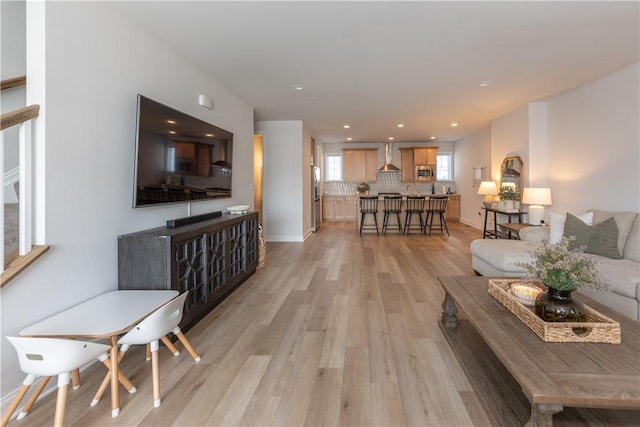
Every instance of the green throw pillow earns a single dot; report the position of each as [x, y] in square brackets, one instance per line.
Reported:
[599, 239]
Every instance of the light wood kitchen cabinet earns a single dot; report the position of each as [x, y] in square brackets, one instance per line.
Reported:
[351, 208]
[416, 156]
[407, 168]
[425, 156]
[339, 208]
[332, 208]
[359, 165]
[453, 208]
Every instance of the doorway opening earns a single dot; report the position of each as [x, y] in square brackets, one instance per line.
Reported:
[258, 157]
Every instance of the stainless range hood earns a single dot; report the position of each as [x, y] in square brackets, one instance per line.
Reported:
[388, 166]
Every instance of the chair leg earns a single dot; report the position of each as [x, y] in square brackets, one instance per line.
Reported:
[75, 378]
[375, 220]
[155, 373]
[167, 342]
[61, 400]
[361, 222]
[16, 400]
[32, 400]
[147, 352]
[185, 342]
[385, 219]
[426, 223]
[443, 222]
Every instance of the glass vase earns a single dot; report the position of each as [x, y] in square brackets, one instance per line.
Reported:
[559, 306]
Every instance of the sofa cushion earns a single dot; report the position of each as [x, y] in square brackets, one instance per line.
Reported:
[620, 276]
[504, 254]
[534, 234]
[599, 239]
[556, 225]
[632, 247]
[624, 220]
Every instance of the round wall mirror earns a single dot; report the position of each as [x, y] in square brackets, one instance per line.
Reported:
[511, 175]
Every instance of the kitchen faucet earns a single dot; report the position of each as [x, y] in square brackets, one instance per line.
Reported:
[409, 186]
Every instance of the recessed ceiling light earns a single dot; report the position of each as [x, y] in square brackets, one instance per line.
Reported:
[454, 125]
[391, 138]
[171, 122]
[210, 135]
[349, 139]
[346, 126]
[298, 87]
[400, 125]
[484, 83]
[433, 137]
[172, 132]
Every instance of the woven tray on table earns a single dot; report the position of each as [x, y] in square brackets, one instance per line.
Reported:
[597, 328]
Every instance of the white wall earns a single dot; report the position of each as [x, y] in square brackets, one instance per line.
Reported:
[594, 145]
[584, 144]
[470, 152]
[283, 180]
[96, 63]
[510, 137]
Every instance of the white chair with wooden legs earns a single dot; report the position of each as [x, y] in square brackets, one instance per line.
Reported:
[150, 331]
[47, 357]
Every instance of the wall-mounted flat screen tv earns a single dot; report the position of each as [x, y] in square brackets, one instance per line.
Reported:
[179, 158]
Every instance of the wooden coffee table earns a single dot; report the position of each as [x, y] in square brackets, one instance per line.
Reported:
[552, 376]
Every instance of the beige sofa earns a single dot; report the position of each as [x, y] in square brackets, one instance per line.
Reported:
[491, 257]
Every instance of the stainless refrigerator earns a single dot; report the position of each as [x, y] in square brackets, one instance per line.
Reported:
[316, 218]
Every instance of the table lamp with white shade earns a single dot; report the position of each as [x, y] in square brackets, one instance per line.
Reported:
[488, 189]
[537, 199]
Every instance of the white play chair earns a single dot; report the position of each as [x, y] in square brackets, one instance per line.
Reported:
[150, 331]
[47, 357]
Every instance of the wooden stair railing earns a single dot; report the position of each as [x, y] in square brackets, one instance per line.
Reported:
[8, 120]
[18, 116]
[14, 82]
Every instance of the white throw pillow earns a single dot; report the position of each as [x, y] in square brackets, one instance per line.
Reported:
[556, 225]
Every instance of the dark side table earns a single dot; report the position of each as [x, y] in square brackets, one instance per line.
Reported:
[495, 233]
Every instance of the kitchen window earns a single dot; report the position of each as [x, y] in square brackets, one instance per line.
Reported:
[444, 171]
[333, 167]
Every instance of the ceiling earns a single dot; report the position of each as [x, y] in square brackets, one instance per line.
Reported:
[373, 65]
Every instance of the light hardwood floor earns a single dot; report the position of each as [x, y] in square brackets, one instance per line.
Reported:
[339, 330]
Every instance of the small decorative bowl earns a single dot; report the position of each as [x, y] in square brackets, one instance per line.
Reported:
[239, 209]
[525, 294]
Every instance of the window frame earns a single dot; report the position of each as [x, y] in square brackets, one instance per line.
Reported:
[449, 157]
[328, 166]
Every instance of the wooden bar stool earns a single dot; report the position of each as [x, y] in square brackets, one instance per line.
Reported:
[368, 206]
[392, 205]
[437, 205]
[415, 206]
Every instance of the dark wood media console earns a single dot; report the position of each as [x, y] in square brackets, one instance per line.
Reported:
[209, 258]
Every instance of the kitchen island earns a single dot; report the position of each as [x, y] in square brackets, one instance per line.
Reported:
[452, 213]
